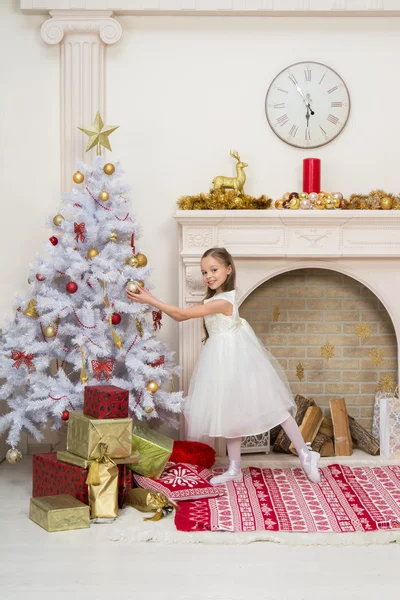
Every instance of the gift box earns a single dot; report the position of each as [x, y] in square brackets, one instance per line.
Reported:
[103, 486]
[52, 477]
[154, 450]
[85, 434]
[74, 459]
[105, 402]
[59, 513]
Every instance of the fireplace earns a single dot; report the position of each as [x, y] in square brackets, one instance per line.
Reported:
[363, 246]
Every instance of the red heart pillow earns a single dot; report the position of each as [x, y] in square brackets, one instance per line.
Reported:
[180, 481]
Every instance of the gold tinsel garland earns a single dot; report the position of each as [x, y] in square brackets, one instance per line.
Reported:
[223, 200]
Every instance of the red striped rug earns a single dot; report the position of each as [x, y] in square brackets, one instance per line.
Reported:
[347, 499]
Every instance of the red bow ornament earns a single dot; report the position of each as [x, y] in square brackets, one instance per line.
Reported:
[23, 359]
[103, 369]
[79, 229]
[159, 362]
[157, 316]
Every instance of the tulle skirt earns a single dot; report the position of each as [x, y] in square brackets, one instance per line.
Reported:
[237, 388]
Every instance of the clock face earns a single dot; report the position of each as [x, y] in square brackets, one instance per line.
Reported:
[307, 104]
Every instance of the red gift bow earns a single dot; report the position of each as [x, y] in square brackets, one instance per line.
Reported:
[133, 243]
[79, 229]
[157, 316]
[22, 359]
[103, 368]
[157, 363]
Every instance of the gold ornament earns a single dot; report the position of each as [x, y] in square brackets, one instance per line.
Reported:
[132, 261]
[376, 356]
[92, 253]
[386, 384]
[294, 203]
[362, 330]
[104, 196]
[232, 183]
[319, 204]
[13, 456]
[148, 411]
[78, 177]
[344, 204]
[141, 283]
[30, 310]
[336, 202]
[276, 313]
[286, 196]
[337, 195]
[279, 204]
[142, 260]
[222, 199]
[303, 195]
[58, 219]
[83, 376]
[139, 327]
[109, 168]
[300, 372]
[327, 350]
[133, 286]
[386, 203]
[329, 204]
[49, 331]
[152, 386]
[112, 237]
[98, 134]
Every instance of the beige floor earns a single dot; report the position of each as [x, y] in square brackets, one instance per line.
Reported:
[36, 565]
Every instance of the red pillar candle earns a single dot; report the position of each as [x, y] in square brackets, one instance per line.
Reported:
[311, 175]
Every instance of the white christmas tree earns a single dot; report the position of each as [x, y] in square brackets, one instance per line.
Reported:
[77, 327]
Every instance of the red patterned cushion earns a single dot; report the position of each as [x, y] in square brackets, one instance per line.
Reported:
[180, 481]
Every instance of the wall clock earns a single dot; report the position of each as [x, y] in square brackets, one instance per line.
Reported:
[307, 104]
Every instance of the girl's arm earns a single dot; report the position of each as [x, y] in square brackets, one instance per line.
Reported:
[183, 314]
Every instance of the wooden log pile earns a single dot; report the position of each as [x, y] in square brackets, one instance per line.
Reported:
[334, 435]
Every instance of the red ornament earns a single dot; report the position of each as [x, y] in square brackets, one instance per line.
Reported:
[65, 415]
[54, 240]
[71, 287]
[79, 229]
[116, 319]
[40, 277]
[157, 316]
[21, 358]
[103, 369]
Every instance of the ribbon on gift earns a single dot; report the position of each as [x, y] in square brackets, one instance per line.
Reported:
[79, 229]
[103, 368]
[157, 316]
[93, 477]
[23, 359]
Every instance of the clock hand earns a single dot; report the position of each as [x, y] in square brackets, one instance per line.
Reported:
[298, 88]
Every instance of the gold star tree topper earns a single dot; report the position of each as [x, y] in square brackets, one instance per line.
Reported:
[98, 134]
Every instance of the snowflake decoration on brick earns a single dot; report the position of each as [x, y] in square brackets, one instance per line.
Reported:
[327, 350]
[276, 313]
[300, 372]
[376, 356]
[362, 330]
[387, 384]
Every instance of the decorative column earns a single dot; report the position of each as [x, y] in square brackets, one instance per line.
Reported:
[83, 36]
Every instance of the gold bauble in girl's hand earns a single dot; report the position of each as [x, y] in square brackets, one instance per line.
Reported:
[386, 203]
[49, 331]
[152, 386]
[142, 260]
[92, 253]
[133, 286]
[294, 203]
[141, 283]
[319, 204]
[108, 168]
[13, 456]
[58, 219]
[132, 261]
[78, 177]
[104, 196]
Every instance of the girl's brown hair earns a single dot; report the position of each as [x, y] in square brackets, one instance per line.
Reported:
[223, 256]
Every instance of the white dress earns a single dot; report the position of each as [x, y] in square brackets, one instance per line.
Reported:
[237, 387]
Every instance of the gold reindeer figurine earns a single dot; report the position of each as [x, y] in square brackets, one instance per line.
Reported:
[232, 183]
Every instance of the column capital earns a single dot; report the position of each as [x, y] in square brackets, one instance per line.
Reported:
[63, 22]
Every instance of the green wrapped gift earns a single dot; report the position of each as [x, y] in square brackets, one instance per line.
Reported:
[74, 459]
[85, 434]
[154, 451]
[59, 513]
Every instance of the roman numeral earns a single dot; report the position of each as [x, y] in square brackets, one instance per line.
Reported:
[293, 130]
[323, 131]
[292, 78]
[337, 104]
[283, 120]
[280, 105]
[281, 90]
[307, 135]
[332, 119]
[320, 81]
[333, 89]
[307, 75]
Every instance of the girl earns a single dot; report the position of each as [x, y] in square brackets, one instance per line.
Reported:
[237, 387]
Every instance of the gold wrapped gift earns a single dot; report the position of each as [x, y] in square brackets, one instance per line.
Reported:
[150, 501]
[86, 433]
[74, 459]
[59, 513]
[154, 451]
[102, 481]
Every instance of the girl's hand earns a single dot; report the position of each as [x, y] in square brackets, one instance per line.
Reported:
[144, 296]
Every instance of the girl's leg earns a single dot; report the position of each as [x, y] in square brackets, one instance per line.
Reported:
[233, 473]
[308, 458]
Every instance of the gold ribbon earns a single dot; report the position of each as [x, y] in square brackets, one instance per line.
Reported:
[93, 477]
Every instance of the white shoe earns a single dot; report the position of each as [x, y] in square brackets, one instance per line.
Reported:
[309, 462]
[233, 473]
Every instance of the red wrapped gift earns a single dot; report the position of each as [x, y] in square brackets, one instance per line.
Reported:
[105, 402]
[52, 477]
